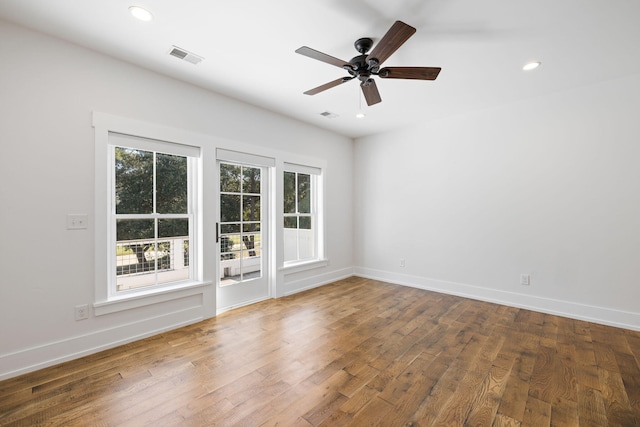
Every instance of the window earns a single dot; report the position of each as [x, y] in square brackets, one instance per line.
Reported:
[152, 214]
[301, 219]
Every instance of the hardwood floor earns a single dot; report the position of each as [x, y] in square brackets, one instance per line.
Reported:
[357, 352]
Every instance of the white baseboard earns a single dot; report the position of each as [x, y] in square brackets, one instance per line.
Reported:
[49, 354]
[295, 286]
[243, 304]
[52, 353]
[589, 313]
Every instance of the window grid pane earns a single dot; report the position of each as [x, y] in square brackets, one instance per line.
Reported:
[133, 181]
[304, 193]
[289, 192]
[171, 177]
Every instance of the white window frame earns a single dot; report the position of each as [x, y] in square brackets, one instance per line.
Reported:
[317, 217]
[148, 137]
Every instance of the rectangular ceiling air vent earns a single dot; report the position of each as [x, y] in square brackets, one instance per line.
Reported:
[185, 55]
[329, 115]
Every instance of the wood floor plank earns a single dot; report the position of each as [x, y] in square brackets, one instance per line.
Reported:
[470, 389]
[537, 413]
[502, 420]
[514, 398]
[591, 408]
[543, 381]
[372, 413]
[351, 353]
[484, 411]
[617, 406]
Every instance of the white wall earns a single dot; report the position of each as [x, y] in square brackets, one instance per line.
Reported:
[48, 90]
[548, 187]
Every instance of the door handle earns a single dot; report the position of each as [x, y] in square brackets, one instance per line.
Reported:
[217, 232]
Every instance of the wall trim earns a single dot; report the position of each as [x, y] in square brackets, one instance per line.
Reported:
[39, 357]
[243, 304]
[53, 353]
[301, 285]
[589, 313]
[56, 352]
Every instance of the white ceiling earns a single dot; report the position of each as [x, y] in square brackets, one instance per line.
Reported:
[249, 45]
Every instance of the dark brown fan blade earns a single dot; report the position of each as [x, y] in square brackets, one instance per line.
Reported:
[390, 42]
[327, 86]
[417, 73]
[311, 53]
[370, 91]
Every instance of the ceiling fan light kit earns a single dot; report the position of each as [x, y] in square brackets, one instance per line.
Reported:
[365, 66]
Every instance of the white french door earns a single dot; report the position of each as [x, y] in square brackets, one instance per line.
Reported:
[242, 234]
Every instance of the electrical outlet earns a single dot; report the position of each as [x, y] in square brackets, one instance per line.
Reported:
[525, 280]
[402, 264]
[82, 312]
[77, 221]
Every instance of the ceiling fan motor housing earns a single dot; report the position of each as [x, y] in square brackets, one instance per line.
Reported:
[359, 67]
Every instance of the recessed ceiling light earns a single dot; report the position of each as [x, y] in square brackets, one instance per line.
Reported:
[140, 13]
[531, 66]
[360, 115]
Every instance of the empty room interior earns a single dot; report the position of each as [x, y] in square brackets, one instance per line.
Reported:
[320, 213]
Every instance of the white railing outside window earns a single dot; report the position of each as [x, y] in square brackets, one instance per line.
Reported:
[141, 263]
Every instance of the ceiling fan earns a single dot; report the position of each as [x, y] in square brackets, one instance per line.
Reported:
[364, 66]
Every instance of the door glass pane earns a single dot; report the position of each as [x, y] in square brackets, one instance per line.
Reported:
[229, 208]
[250, 266]
[236, 245]
[251, 180]
[240, 216]
[250, 227]
[251, 243]
[229, 228]
[134, 181]
[251, 208]
[226, 248]
[230, 178]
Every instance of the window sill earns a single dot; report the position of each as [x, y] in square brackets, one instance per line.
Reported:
[141, 299]
[303, 266]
